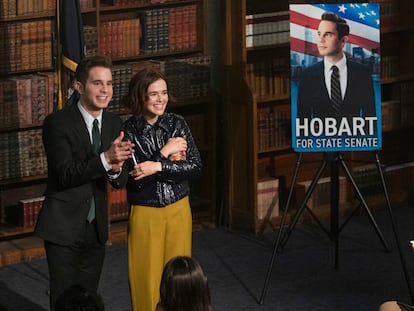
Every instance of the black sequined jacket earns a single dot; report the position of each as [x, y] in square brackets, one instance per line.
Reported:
[172, 183]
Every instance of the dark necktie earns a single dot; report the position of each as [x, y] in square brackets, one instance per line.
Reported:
[96, 144]
[336, 95]
[96, 137]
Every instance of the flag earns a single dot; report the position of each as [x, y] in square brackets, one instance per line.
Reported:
[363, 20]
[70, 29]
[71, 33]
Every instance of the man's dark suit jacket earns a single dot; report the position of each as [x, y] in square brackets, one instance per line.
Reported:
[74, 175]
[313, 97]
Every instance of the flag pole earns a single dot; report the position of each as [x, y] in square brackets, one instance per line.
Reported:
[59, 61]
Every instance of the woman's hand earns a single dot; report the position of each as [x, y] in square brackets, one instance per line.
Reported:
[144, 169]
[174, 145]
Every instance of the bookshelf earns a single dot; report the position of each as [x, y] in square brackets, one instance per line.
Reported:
[27, 92]
[256, 107]
[168, 34]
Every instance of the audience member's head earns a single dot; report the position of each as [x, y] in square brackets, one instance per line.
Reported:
[393, 305]
[184, 286]
[77, 298]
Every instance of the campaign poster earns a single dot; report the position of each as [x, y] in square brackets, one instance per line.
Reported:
[335, 77]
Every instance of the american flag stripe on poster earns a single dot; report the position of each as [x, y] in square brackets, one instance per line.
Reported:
[363, 19]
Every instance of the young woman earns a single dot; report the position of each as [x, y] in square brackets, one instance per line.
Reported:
[165, 159]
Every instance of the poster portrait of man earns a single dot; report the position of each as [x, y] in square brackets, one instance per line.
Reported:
[335, 85]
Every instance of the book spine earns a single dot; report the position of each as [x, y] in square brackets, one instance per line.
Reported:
[34, 101]
[26, 46]
[172, 29]
[33, 44]
[193, 34]
[43, 98]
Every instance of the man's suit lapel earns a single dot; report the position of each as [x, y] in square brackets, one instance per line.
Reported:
[106, 131]
[321, 79]
[352, 83]
[80, 126]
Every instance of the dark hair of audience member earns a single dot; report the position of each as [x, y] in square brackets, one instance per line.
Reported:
[184, 286]
[77, 298]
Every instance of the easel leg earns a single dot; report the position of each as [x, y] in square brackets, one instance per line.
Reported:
[363, 202]
[335, 205]
[394, 228]
[335, 229]
[278, 245]
[282, 224]
[303, 204]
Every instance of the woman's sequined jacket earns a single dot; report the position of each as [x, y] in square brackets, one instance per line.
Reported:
[172, 183]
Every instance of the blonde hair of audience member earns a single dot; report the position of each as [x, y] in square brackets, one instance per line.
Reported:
[184, 286]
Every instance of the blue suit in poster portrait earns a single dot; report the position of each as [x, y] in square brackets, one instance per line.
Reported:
[313, 97]
[318, 127]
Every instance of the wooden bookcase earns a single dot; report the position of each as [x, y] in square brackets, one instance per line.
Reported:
[27, 89]
[250, 157]
[114, 28]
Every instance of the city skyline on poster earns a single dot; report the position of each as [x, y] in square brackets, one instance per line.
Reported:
[357, 125]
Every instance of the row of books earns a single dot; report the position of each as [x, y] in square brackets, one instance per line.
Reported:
[154, 30]
[121, 3]
[121, 75]
[188, 79]
[267, 199]
[368, 179]
[389, 66]
[269, 78]
[267, 28]
[169, 29]
[28, 211]
[273, 127]
[19, 8]
[390, 114]
[118, 38]
[22, 154]
[26, 100]
[86, 4]
[118, 204]
[26, 46]
[399, 180]
[90, 35]
[398, 111]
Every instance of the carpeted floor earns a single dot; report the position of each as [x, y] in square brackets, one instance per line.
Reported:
[236, 263]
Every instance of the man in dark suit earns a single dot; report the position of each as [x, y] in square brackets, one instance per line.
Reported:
[356, 85]
[73, 221]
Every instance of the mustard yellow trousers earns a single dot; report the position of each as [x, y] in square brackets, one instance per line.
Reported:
[155, 235]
